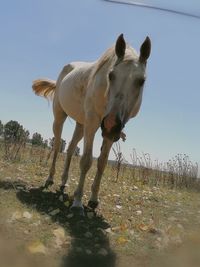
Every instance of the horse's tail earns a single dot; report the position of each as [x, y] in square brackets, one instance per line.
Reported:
[44, 87]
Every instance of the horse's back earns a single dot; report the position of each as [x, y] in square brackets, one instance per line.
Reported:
[72, 87]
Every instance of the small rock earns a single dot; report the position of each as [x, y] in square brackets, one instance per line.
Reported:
[155, 188]
[88, 251]
[88, 235]
[36, 223]
[109, 230]
[60, 236]
[70, 215]
[118, 207]
[103, 252]
[61, 198]
[90, 214]
[132, 232]
[135, 187]
[67, 203]
[138, 212]
[54, 212]
[27, 215]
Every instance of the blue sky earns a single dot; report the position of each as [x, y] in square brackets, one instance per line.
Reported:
[39, 37]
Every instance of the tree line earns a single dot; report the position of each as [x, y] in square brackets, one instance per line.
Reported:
[14, 133]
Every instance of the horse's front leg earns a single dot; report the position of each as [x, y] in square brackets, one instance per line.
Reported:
[90, 128]
[101, 164]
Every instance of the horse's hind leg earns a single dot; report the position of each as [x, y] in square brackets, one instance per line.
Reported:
[59, 118]
[77, 136]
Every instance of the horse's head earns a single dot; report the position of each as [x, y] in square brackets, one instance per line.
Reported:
[125, 80]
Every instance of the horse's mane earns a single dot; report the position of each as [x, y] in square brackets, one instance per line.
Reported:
[109, 55]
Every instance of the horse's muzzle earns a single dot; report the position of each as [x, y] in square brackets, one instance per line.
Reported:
[111, 127]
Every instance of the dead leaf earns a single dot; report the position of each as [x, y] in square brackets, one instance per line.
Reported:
[122, 240]
[153, 230]
[123, 227]
[143, 227]
[37, 247]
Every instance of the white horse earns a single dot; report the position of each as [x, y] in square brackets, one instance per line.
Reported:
[105, 93]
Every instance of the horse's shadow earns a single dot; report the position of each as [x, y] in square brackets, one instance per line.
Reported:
[90, 243]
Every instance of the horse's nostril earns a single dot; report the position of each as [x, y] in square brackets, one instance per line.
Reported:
[109, 122]
[102, 124]
[112, 123]
[111, 127]
[119, 124]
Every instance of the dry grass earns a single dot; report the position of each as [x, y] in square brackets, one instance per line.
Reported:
[140, 221]
[178, 173]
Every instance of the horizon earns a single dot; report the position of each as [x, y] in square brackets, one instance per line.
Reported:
[140, 160]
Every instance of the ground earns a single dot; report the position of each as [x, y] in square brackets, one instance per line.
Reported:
[135, 224]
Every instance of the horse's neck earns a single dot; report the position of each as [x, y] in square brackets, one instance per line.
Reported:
[97, 85]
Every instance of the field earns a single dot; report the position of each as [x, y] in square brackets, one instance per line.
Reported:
[137, 223]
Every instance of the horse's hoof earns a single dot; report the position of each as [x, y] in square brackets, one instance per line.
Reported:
[48, 183]
[93, 204]
[77, 211]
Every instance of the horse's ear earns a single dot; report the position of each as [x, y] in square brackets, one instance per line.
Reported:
[120, 46]
[145, 50]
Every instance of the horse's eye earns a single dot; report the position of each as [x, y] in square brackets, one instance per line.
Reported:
[139, 82]
[111, 76]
